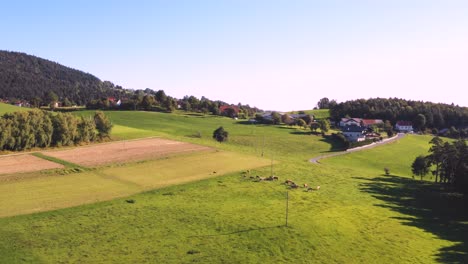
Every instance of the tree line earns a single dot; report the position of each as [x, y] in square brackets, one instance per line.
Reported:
[426, 114]
[41, 129]
[448, 163]
[150, 100]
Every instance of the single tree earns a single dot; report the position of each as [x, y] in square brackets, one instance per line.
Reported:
[276, 118]
[301, 123]
[52, 98]
[161, 96]
[324, 125]
[103, 124]
[420, 166]
[323, 103]
[420, 122]
[314, 126]
[220, 134]
[286, 119]
[308, 119]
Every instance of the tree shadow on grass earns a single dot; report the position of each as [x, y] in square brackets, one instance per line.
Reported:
[335, 145]
[301, 133]
[428, 206]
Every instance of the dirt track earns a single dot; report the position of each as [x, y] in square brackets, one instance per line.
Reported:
[124, 151]
[25, 163]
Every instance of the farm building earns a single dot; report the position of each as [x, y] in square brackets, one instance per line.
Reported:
[354, 133]
[371, 122]
[350, 122]
[404, 126]
[360, 122]
[229, 110]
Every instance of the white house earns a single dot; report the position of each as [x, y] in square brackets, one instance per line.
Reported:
[404, 126]
[354, 133]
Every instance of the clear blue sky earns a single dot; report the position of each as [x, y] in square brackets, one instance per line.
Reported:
[281, 55]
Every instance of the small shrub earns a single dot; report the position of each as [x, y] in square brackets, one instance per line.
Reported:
[220, 134]
[387, 171]
[192, 251]
[131, 201]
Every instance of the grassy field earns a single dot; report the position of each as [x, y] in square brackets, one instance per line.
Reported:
[358, 216]
[42, 191]
[8, 108]
[318, 113]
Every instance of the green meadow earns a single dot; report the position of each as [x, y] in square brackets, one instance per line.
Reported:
[318, 113]
[177, 210]
[8, 108]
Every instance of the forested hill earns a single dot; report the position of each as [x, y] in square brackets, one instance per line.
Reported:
[30, 78]
[436, 115]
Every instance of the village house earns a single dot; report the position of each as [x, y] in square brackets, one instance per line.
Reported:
[354, 133]
[360, 122]
[350, 122]
[404, 126]
[224, 110]
[371, 122]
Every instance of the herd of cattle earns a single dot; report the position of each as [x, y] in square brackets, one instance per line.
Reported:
[289, 183]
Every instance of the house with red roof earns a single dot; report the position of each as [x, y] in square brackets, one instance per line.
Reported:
[371, 122]
[224, 110]
[350, 122]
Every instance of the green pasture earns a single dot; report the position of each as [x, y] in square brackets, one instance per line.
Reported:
[318, 113]
[8, 108]
[359, 215]
[276, 141]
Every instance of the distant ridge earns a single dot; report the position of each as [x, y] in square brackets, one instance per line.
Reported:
[26, 77]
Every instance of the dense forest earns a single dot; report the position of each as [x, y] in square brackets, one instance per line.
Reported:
[29, 78]
[424, 114]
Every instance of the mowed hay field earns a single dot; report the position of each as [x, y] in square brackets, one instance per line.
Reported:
[358, 216]
[124, 151]
[47, 191]
[24, 163]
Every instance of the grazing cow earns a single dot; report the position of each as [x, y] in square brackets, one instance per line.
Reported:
[318, 188]
[288, 182]
[310, 189]
[275, 178]
[294, 186]
[260, 178]
[306, 185]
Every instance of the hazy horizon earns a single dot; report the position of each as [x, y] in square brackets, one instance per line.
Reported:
[275, 55]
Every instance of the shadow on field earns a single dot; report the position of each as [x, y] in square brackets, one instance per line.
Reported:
[240, 231]
[428, 206]
[300, 133]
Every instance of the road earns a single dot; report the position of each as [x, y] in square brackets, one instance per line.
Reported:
[373, 145]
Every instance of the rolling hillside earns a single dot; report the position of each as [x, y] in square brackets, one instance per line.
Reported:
[358, 216]
[26, 77]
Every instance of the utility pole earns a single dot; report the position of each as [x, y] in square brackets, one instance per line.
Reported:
[263, 145]
[271, 165]
[287, 208]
